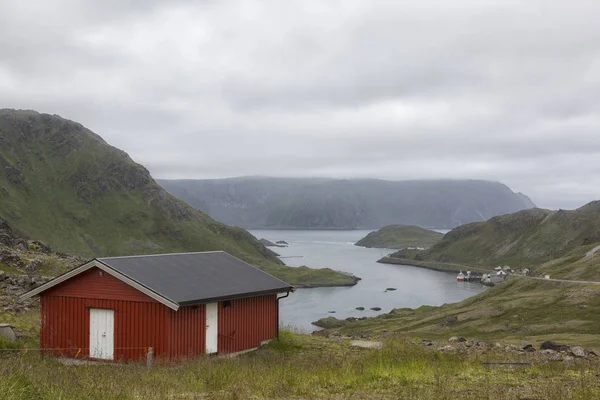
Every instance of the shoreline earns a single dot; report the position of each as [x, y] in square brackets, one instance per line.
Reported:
[433, 265]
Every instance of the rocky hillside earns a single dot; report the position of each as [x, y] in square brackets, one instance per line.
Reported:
[528, 238]
[25, 264]
[400, 237]
[346, 204]
[64, 185]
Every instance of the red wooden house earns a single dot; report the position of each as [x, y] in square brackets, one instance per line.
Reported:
[179, 305]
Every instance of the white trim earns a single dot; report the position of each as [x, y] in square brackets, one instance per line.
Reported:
[98, 264]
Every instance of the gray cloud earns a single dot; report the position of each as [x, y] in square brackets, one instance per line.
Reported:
[487, 89]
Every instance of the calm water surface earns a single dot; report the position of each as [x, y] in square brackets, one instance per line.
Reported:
[336, 250]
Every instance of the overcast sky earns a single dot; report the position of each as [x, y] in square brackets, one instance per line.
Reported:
[500, 90]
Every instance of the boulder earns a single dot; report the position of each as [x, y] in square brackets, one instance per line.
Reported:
[548, 351]
[578, 351]
[446, 348]
[456, 339]
[360, 308]
[526, 347]
[376, 308]
[7, 332]
[548, 345]
[390, 289]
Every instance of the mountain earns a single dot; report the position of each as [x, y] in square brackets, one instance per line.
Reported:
[64, 185]
[399, 237]
[560, 241]
[298, 203]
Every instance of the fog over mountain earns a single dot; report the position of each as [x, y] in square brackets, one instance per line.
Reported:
[496, 90]
[256, 202]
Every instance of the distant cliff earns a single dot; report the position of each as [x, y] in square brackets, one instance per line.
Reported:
[299, 203]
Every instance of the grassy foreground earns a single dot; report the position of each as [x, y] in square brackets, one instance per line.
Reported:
[305, 367]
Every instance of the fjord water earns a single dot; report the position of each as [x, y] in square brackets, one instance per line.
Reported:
[336, 250]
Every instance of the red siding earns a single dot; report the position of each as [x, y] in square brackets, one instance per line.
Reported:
[142, 322]
[188, 331]
[138, 325]
[247, 323]
[91, 285]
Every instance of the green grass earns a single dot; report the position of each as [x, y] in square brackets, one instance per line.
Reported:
[304, 367]
[519, 309]
[399, 237]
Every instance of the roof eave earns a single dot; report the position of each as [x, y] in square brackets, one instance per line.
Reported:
[236, 296]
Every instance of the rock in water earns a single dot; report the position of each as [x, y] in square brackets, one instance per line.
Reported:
[376, 308]
[360, 308]
[267, 243]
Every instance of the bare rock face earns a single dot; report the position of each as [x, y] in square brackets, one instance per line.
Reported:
[7, 236]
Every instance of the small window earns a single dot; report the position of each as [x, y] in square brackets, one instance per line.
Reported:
[100, 273]
[227, 304]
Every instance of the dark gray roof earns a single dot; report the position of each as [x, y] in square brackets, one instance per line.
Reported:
[190, 278]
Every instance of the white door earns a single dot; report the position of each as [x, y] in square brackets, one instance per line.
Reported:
[102, 333]
[212, 332]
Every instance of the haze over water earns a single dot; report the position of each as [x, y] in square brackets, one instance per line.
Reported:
[336, 250]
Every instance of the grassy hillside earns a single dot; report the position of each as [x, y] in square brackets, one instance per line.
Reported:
[527, 238]
[399, 237]
[520, 309]
[64, 185]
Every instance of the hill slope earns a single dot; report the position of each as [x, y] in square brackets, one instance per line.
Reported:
[520, 309]
[548, 240]
[64, 185]
[256, 202]
[399, 237]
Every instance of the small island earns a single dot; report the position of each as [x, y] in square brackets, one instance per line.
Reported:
[400, 237]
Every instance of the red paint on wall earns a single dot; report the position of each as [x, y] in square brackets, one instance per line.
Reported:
[138, 326]
[188, 331]
[247, 322]
[97, 284]
[141, 322]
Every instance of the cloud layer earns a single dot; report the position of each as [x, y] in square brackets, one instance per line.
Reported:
[501, 90]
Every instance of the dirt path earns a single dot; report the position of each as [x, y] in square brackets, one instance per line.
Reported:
[590, 254]
[565, 280]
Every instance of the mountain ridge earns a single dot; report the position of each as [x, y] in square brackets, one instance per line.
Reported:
[326, 203]
[64, 185]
